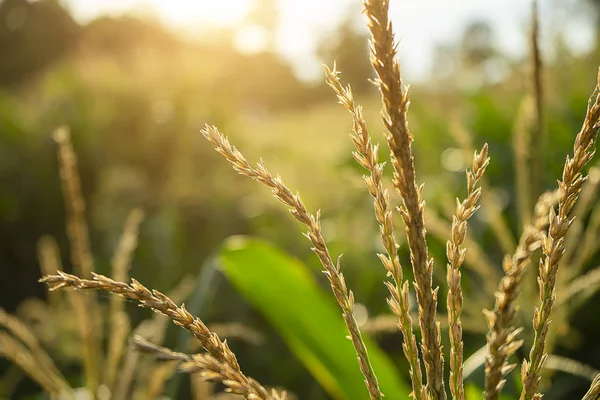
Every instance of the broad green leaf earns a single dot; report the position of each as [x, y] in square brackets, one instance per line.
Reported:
[306, 317]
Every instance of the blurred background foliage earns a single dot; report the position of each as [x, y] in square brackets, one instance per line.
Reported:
[135, 95]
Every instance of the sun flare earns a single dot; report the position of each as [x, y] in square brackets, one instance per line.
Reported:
[219, 12]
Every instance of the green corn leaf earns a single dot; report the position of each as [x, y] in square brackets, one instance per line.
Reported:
[305, 315]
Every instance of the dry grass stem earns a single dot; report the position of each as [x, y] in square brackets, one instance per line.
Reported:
[77, 228]
[126, 374]
[156, 376]
[456, 256]
[395, 105]
[131, 359]
[502, 335]
[121, 261]
[570, 366]
[157, 379]
[50, 263]
[19, 354]
[553, 243]
[344, 298]
[204, 365]
[594, 391]
[366, 155]
[522, 144]
[43, 361]
[77, 231]
[20, 331]
[120, 327]
[162, 304]
[581, 288]
[119, 321]
[537, 135]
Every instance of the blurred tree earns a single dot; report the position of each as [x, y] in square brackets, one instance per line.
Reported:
[481, 61]
[32, 35]
[348, 47]
[477, 43]
[264, 15]
[124, 34]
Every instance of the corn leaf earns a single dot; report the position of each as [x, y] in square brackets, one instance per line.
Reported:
[305, 315]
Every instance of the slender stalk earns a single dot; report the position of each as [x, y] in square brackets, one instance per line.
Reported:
[343, 296]
[395, 101]
[522, 144]
[129, 364]
[76, 225]
[570, 366]
[366, 155]
[502, 334]
[456, 256]
[120, 324]
[34, 349]
[16, 352]
[81, 257]
[553, 244]
[50, 264]
[581, 288]
[537, 137]
[159, 376]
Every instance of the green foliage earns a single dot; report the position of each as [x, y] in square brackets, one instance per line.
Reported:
[473, 392]
[24, 26]
[283, 289]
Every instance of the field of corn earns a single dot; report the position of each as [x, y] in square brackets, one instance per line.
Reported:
[444, 250]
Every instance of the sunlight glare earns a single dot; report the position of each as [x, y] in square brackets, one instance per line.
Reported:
[217, 12]
[301, 24]
[251, 40]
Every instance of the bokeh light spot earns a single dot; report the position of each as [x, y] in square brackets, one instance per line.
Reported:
[453, 159]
